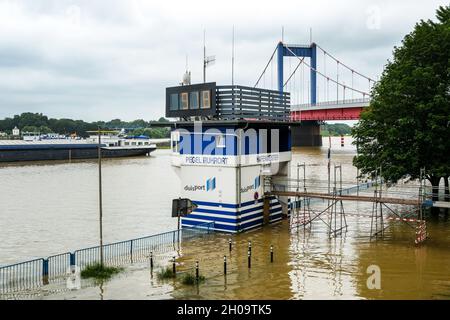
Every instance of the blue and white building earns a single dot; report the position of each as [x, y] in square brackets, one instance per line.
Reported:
[229, 142]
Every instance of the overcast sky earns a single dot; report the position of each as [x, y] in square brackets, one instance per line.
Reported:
[99, 60]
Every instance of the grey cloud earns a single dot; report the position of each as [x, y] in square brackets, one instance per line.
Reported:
[107, 59]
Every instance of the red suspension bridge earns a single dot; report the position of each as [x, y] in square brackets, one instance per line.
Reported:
[329, 90]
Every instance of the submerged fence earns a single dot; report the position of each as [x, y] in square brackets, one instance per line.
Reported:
[38, 272]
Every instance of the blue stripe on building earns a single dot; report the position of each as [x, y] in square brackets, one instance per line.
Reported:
[233, 223]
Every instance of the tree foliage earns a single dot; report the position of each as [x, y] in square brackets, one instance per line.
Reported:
[37, 122]
[335, 129]
[407, 125]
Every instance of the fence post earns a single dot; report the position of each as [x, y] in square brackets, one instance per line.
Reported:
[131, 251]
[72, 259]
[45, 271]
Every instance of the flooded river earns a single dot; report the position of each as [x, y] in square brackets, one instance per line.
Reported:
[48, 208]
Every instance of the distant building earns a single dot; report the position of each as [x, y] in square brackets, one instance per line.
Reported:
[3, 134]
[16, 131]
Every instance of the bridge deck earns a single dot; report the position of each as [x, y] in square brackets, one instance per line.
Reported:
[345, 197]
[327, 105]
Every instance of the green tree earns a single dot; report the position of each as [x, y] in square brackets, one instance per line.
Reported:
[335, 129]
[407, 125]
[44, 130]
[30, 129]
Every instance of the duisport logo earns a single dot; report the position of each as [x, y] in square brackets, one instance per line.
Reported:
[255, 185]
[209, 186]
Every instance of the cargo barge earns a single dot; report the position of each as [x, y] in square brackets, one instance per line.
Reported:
[19, 150]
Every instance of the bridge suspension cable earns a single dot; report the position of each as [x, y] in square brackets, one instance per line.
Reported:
[293, 72]
[344, 65]
[267, 65]
[327, 77]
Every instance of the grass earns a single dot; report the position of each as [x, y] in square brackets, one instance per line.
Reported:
[166, 273]
[189, 279]
[99, 271]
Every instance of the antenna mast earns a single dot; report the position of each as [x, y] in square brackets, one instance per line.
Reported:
[206, 60]
[232, 59]
[204, 56]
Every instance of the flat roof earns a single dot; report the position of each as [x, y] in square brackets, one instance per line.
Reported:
[215, 123]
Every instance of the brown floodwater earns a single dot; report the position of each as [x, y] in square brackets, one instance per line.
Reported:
[51, 207]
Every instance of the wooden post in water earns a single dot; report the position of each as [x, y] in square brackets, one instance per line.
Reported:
[100, 198]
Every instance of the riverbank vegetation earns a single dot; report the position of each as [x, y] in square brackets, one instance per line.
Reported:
[407, 125]
[38, 122]
[189, 279]
[335, 129]
[99, 271]
[166, 273]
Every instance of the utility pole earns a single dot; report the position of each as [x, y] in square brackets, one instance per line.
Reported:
[100, 198]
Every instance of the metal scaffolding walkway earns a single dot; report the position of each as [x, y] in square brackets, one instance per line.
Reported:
[403, 201]
[303, 192]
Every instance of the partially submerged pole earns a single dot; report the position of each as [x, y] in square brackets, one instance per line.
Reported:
[174, 269]
[151, 261]
[224, 265]
[197, 276]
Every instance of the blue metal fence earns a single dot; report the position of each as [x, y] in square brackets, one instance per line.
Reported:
[35, 273]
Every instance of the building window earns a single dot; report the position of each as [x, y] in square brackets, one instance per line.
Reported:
[174, 101]
[133, 143]
[175, 140]
[184, 101]
[127, 143]
[206, 99]
[146, 143]
[220, 141]
[193, 100]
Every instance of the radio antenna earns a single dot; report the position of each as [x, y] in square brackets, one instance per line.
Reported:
[204, 55]
[232, 59]
[206, 60]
